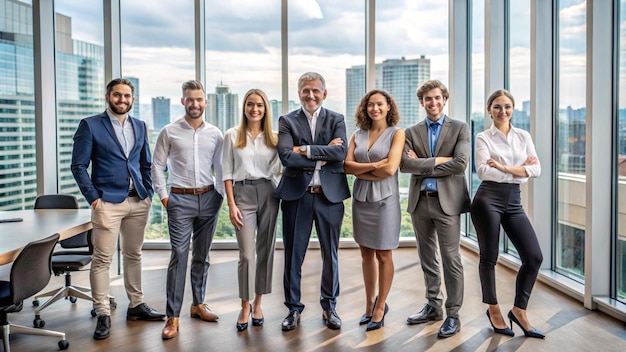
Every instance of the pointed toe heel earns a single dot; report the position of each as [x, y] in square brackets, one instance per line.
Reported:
[534, 333]
[375, 325]
[506, 331]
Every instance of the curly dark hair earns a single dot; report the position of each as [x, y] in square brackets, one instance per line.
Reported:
[364, 122]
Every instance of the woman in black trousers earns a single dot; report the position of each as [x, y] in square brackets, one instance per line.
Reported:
[505, 158]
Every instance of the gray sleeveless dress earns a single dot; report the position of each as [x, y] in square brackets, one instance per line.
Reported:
[375, 204]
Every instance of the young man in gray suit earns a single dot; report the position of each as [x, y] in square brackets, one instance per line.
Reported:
[436, 154]
[312, 147]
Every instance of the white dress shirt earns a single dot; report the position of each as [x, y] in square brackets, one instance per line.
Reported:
[511, 150]
[195, 157]
[315, 181]
[254, 161]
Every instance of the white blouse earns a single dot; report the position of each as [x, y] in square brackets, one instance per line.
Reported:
[255, 161]
[511, 150]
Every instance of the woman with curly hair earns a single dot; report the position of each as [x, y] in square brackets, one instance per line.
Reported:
[374, 155]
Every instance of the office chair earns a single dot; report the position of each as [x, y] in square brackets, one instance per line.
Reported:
[30, 273]
[78, 254]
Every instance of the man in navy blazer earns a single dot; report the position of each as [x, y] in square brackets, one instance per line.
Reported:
[312, 147]
[120, 193]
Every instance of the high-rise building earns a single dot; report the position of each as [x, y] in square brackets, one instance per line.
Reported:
[135, 111]
[223, 108]
[80, 93]
[160, 112]
[400, 77]
[277, 110]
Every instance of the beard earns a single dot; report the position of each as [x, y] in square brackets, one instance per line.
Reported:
[119, 110]
[194, 114]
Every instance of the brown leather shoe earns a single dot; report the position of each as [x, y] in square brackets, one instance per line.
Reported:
[171, 328]
[203, 312]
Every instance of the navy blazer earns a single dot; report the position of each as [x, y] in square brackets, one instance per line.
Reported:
[111, 171]
[294, 130]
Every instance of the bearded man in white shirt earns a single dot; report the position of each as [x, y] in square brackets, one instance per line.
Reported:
[194, 149]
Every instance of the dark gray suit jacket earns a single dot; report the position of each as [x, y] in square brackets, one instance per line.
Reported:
[298, 170]
[454, 141]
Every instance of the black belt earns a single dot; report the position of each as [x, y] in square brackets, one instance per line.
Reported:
[133, 193]
[252, 182]
[314, 189]
[429, 194]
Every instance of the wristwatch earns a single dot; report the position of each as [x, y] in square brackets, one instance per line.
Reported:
[304, 148]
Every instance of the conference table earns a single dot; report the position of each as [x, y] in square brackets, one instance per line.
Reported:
[38, 224]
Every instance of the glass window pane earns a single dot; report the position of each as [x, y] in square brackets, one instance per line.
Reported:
[18, 170]
[519, 78]
[157, 56]
[477, 89]
[79, 78]
[570, 139]
[400, 69]
[327, 37]
[621, 163]
[243, 51]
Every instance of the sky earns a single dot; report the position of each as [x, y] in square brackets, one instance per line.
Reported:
[243, 43]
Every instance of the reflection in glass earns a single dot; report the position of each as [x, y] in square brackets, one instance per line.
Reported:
[570, 141]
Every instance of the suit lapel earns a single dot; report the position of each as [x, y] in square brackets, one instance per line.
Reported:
[445, 128]
[422, 130]
[304, 124]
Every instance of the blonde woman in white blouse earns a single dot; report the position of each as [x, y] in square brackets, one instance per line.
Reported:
[505, 158]
[251, 172]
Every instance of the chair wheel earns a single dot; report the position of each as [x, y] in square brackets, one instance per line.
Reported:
[113, 304]
[93, 313]
[64, 344]
[35, 303]
[73, 299]
[39, 323]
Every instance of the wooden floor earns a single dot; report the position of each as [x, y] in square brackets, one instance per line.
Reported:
[569, 326]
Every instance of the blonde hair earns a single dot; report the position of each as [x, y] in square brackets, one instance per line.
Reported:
[270, 138]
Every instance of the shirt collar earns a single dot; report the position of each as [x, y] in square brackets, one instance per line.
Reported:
[439, 121]
[315, 114]
[493, 129]
[114, 118]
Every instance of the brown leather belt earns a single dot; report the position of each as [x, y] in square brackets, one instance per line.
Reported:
[314, 189]
[196, 191]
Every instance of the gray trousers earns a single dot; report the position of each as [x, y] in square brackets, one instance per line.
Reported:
[190, 217]
[428, 218]
[255, 199]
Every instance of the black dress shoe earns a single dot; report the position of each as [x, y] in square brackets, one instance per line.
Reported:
[103, 327]
[332, 319]
[506, 331]
[428, 313]
[143, 312]
[449, 327]
[375, 325]
[291, 320]
[528, 333]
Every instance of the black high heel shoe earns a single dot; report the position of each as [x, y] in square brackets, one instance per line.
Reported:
[528, 333]
[257, 321]
[375, 325]
[243, 326]
[366, 319]
[506, 331]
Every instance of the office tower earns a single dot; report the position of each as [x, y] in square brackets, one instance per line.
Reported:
[277, 110]
[79, 92]
[135, 111]
[160, 112]
[223, 108]
[400, 77]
